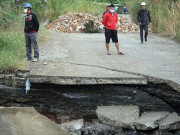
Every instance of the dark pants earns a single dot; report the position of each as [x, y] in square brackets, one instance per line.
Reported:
[31, 40]
[145, 28]
[111, 34]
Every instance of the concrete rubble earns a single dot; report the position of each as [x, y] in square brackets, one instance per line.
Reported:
[74, 23]
[123, 116]
[171, 122]
[27, 121]
[74, 125]
[149, 120]
[111, 119]
[80, 127]
[128, 117]
[96, 128]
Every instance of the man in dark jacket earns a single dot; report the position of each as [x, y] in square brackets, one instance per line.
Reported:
[109, 21]
[107, 9]
[143, 18]
[31, 31]
[125, 10]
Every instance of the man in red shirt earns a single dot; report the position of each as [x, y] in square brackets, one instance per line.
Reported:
[109, 21]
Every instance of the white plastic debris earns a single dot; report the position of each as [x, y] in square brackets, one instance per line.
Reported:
[44, 63]
[28, 85]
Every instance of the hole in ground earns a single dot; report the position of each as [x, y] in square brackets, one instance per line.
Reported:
[62, 103]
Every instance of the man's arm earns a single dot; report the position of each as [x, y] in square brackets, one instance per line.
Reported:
[116, 18]
[149, 16]
[139, 17]
[36, 22]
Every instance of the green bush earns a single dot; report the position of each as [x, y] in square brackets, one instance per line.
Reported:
[7, 14]
[90, 28]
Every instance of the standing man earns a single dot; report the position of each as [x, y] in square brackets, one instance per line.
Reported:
[116, 9]
[125, 10]
[109, 21]
[31, 31]
[143, 18]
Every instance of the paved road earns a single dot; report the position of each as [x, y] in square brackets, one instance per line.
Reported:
[84, 55]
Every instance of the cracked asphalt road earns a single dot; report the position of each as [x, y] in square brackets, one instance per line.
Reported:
[84, 55]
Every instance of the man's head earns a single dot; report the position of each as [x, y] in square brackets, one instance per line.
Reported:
[27, 8]
[112, 8]
[143, 5]
[108, 7]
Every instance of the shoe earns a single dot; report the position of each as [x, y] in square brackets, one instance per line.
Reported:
[141, 42]
[108, 53]
[145, 39]
[35, 60]
[28, 59]
[120, 53]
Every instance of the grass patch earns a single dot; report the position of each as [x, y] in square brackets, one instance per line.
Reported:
[11, 49]
[7, 13]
